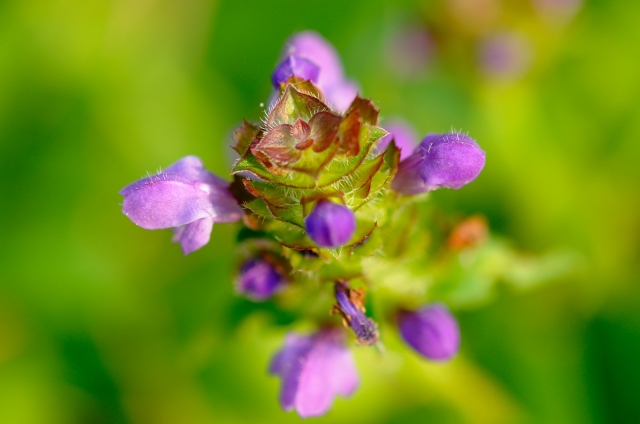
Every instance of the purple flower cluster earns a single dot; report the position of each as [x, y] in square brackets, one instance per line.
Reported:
[315, 368]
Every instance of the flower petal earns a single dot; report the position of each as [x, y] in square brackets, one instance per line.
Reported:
[329, 370]
[165, 201]
[288, 364]
[311, 46]
[194, 235]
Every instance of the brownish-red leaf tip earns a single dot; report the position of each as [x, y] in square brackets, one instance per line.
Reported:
[366, 109]
[243, 137]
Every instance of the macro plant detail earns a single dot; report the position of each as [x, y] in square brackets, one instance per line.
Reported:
[332, 204]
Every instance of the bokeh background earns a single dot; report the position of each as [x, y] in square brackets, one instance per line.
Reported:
[103, 322]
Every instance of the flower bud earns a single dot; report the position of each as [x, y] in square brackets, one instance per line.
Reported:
[441, 160]
[432, 331]
[258, 279]
[330, 224]
[310, 47]
[294, 65]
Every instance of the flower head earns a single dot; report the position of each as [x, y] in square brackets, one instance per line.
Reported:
[432, 331]
[307, 51]
[330, 224]
[314, 369]
[259, 279]
[350, 306]
[184, 196]
[441, 160]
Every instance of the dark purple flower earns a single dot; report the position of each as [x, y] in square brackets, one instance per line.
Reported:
[258, 279]
[314, 369]
[441, 160]
[311, 47]
[294, 65]
[184, 196]
[404, 136]
[432, 331]
[330, 224]
[350, 306]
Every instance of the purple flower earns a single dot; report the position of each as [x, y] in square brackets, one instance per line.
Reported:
[350, 306]
[404, 136]
[308, 48]
[259, 279]
[441, 160]
[330, 224]
[314, 369]
[184, 196]
[432, 331]
[294, 65]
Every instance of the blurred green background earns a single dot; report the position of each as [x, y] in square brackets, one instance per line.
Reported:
[103, 322]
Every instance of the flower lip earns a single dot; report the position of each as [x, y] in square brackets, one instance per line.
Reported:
[184, 194]
[350, 306]
[314, 369]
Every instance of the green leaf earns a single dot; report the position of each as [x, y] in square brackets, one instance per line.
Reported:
[294, 105]
[252, 164]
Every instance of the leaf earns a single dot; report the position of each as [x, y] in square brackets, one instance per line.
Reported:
[324, 130]
[303, 86]
[243, 137]
[341, 168]
[366, 110]
[294, 105]
[259, 207]
[349, 133]
[278, 145]
[252, 164]
[289, 235]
